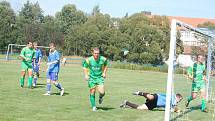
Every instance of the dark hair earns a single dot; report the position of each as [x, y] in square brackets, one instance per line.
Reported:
[179, 96]
[52, 44]
[30, 42]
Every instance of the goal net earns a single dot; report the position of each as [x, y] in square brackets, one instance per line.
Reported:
[194, 41]
[13, 51]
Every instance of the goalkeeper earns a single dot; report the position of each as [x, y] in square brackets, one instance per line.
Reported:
[154, 101]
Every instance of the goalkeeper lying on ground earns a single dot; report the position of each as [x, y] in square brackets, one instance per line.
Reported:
[153, 101]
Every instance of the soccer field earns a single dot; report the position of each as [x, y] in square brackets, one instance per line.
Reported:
[23, 104]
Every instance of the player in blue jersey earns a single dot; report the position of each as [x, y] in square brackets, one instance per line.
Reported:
[53, 70]
[36, 63]
[154, 101]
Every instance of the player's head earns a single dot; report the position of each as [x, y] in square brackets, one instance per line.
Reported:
[52, 46]
[200, 58]
[96, 53]
[178, 97]
[30, 44]
[35, 44]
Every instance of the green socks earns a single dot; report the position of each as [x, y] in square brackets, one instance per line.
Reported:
[21, 81]
[189, 98]
[30, 79]
[92, 100]
[203, 105]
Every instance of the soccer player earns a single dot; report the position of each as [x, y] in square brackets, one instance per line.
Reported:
[27, 55]
[97, 67]
[37, 62]
[53, 70]
[154, 101]
[197, 74]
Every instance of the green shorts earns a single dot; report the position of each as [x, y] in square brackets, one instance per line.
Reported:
[26, 66]
[92, 83]
[197, 86]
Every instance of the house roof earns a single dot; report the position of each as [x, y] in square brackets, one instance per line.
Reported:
[192, 21]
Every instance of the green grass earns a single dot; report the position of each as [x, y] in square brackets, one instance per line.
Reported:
[23, 104]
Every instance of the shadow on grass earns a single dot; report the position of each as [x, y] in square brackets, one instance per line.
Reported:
[185, 112]
[105, 108]
[158, 109]
[58, 93]
[40, 84]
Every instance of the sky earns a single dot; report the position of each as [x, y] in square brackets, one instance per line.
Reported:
[119, 8]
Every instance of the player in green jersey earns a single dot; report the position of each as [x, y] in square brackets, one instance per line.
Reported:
[27, 55]
[197, 74]
[95, 68]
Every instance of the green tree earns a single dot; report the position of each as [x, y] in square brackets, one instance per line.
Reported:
[7, 23]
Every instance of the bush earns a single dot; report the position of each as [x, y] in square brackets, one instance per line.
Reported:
[145, 67]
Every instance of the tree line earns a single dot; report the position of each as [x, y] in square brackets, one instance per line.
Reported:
[137, 38]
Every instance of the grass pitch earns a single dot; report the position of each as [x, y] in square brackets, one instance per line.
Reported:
[23, 104]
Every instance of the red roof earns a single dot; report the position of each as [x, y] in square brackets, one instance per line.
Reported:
[192, 21]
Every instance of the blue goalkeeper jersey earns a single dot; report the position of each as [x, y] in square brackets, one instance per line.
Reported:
[161, 102]
[54, 56]
[38, 55]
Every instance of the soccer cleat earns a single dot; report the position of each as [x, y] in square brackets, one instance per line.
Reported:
[123, 105]
[136, 93]
[94, 109]
[34, 85]
[62, 92]
[187, 104]
[205, 110]
[47, 94]
[100, 100]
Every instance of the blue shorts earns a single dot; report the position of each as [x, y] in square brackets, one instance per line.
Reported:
[53, 76]
[36, 67]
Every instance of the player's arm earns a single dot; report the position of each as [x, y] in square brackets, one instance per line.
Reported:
[105, 68]
[22, 55]
[190, 73]
[57, 60]
[204, 76]
[40, 57]
[85, 65]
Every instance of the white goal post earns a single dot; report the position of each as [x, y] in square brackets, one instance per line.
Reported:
[172, 56]
[10, 49]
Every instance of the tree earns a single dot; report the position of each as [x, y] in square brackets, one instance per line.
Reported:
[7, 23]
[29, 23]
[208, 25]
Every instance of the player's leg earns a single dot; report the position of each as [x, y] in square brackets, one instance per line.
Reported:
[48, 84]
[203, 97]
[24, 67]
[142, 107]
[35, 71]
[92, 87]
[30, 77]
[101, 91]
[22, 78]
[146, 95]
[193, 94]
[131, 105]
[54, 78]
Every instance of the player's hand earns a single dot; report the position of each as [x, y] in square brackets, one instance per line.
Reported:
[86, 77]
[136, 93]
[104, 75]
